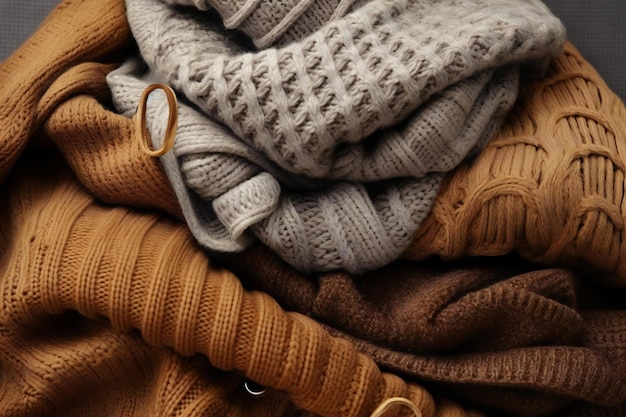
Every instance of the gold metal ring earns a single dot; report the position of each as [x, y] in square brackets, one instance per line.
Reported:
[172, 122]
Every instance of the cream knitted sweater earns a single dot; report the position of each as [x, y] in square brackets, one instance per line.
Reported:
[337, 141]
[230, 192]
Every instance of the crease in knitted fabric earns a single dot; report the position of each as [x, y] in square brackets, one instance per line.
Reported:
[372, 108]
[550, 187]
[344, 226]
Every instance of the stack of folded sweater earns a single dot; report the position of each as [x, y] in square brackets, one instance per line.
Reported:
[265, 249]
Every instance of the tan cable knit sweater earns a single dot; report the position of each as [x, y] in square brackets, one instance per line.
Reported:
[550, 187]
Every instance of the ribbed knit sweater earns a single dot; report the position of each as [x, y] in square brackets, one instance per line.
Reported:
[550, 187]
[63, 251]
[393, 91]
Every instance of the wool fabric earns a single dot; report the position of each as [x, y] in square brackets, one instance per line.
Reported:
[67, 365]
[64, 251]
[52, 50]
[287, 118]
[500, 334]
[276, 21]
[550, 187]
[347, 225]
[308, 106]
[478, 305]
[533, 381]
[77, 273]
[53, 81]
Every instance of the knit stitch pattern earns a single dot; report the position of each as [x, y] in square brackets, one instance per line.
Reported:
[347, 225]
[272, 22]
[496, 333]
[551, 187]
[65, 251]
[308, 106]
[27, 72]
[534, 381]
[355, 123]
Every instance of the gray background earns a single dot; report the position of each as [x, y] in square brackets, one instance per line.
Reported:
[596, 27]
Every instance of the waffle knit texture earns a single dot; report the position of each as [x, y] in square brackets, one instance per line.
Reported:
[550, 187]
[344, 226]
[498, 334]
[374, 105]
[110, 310]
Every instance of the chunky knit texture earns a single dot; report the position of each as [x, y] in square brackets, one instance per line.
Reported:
[275, 21]
[241, 194]
[496, 333]
[391, 91]
[64, 251]
[551, 187]
[309, 106]
[77, 275]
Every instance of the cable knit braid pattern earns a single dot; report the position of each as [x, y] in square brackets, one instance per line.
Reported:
[309, 105]
[226, 188]
[550, 187]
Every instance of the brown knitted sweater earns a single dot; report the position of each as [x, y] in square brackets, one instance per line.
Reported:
[550, 186]
[96, 316]
[496, 333]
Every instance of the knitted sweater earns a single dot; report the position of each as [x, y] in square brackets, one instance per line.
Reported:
[550, 187]
[344, 226]
[60, 355]
[496, 333]
[273, 21]
[64, 251]
[103, 305]
[329, 107]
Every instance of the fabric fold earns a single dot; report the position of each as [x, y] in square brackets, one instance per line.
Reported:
[550, 187]
[273, 22]
[475, 305]
[348, 225]
[307, 104]
[66, 252]
[356, 121]
[501, 334]
[99, 29]
[68, 348]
